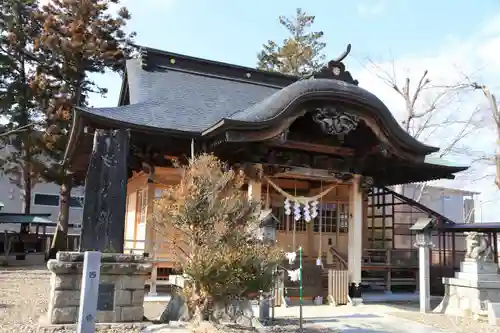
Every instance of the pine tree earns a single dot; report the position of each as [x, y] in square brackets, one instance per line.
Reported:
[78, 38]
[300, 54]
[18, 28]
[211, 229]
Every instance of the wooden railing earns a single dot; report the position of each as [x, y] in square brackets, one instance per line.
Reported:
[339, 261]
[134, 249]
[401, 258]
[338, 286]
[156, 277]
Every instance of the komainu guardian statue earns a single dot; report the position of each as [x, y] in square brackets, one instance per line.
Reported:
[478, 247]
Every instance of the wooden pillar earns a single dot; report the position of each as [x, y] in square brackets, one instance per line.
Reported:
[310, 240]
[495, 245]
[388, 283]
[150, 245]
[103, 223]
[150, 237]
[355, 236]
[255, 185]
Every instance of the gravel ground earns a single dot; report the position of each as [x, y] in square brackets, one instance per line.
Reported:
[291, 325]
[279, 326]
[23, 298]
[441, 321]
[24, 294]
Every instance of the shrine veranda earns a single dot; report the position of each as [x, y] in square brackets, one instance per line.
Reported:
[319, 152]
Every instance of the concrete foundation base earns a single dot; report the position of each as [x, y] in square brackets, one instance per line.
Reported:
[121, 288]
[468, 293]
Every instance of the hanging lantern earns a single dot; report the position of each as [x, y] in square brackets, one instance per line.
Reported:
[296, 211]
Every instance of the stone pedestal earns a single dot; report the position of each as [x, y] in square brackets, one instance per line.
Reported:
[121, 288]
[468, 293]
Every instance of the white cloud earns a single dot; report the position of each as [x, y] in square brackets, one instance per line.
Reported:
[492, 26]
[371, 8]
[477, 57]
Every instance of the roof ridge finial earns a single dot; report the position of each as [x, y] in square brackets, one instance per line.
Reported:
[335, 69]
[344, 54]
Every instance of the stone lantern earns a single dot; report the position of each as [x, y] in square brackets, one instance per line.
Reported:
[268, 224]
[423, 228]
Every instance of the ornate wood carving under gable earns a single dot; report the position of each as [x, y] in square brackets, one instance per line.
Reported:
[334, 121]
[366, 183]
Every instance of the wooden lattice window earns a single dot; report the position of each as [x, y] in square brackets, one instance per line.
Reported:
[343, 211]
[329, 217]
[332, 214]
[300, 225]
[279, 213]
[142, 206]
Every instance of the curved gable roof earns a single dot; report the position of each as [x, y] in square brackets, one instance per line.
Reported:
[285, 104]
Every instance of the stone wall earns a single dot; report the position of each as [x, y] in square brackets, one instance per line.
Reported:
[121, 288]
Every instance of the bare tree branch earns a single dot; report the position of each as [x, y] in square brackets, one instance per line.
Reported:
[493, 105]
[16, 130]
[427, 114]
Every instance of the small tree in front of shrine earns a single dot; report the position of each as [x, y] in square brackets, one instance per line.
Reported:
[211, 227]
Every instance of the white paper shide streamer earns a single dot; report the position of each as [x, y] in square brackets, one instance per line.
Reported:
[309, 210]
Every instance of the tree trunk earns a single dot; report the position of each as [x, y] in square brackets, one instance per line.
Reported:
[60, 241]
[27, 189]
[496, 117]
[7, 246]
[200, 310]
[198, 315]
[497, 160]
[199, 304]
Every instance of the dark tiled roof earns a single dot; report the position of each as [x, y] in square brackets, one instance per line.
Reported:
[277, 102]
[169, 99]
[172, 96]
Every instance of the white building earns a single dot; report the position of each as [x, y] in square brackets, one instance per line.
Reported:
[455, 204]
[44, 200]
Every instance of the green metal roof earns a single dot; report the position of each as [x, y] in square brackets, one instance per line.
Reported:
[434, 160]
[25, 218]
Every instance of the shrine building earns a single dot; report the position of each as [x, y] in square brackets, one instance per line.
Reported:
[320, 142]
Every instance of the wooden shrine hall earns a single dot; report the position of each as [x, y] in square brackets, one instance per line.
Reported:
[322, 139]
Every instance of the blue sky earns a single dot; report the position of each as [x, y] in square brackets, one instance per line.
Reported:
[443, 36]
[233, 31]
